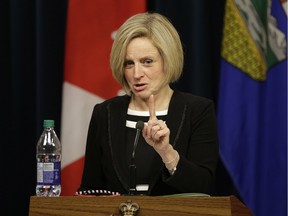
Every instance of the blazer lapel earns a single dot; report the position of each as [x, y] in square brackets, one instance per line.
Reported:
[117, 111]
[176, 116]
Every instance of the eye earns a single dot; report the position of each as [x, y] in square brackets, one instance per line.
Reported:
[147, 61]
[128, 64]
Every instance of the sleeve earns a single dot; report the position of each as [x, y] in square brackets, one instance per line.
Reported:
[195, 171]
[93, 177]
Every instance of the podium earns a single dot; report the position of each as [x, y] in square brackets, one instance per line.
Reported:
[147, 205]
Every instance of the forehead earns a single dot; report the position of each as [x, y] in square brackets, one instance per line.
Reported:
[141, 46]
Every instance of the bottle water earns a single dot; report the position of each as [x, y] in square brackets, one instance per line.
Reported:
[48, 155]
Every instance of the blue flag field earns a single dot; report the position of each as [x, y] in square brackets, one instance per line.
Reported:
[252, 105]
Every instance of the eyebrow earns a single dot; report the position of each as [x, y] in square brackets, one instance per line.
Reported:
[144, 57]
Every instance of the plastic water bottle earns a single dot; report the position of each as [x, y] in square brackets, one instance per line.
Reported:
[48, 155]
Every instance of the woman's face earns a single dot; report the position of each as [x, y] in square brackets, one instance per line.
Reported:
[143, 68]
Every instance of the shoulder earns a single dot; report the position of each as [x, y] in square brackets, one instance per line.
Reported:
[116, 101]
[191, 99]
[192, 106]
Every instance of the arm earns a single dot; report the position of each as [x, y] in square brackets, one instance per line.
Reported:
[92, 177]
[198, 150]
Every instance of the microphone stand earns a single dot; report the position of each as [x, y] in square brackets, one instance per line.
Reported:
[132, 166]
[132, 178]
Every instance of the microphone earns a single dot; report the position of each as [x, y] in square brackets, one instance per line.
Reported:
[132, 167]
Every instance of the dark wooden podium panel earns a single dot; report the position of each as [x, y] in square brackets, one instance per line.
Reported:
[149, 205]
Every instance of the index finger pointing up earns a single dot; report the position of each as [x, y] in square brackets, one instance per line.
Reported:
[151, 106]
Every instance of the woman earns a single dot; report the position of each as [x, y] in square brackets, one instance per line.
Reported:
[177, 150]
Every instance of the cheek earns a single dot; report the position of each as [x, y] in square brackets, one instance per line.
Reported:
[128, 76]
[157, 75]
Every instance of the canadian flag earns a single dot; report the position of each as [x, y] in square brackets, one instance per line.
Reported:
[88, 80]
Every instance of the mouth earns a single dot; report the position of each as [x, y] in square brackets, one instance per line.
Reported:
[139, 86]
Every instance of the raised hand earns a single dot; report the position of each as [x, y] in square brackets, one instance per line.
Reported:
[156, 132]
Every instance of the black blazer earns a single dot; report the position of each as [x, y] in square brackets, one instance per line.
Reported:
[193, 133]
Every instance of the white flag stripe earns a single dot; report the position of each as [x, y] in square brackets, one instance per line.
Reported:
[76, 112]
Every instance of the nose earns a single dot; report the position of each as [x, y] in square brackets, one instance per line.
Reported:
[138, 73]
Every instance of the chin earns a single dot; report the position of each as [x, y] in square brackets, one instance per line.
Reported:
[142, 95]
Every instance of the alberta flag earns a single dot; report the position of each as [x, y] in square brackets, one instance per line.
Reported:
[252, 105]
[91, 26]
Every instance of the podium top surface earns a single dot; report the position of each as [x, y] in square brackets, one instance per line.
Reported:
[148, 205]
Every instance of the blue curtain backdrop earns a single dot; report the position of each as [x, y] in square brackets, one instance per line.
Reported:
[31, 66]
[252, 105]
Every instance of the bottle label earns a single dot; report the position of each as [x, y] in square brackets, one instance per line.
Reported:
[49, 173]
